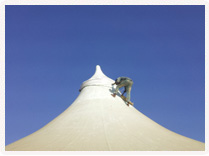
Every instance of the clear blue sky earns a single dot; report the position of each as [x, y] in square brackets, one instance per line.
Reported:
[51, 50]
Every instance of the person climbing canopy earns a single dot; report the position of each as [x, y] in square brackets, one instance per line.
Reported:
[127, 84]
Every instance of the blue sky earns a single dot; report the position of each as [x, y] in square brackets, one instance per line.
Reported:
[51, 50]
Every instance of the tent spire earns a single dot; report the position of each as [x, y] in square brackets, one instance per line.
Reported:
[98, 79]
[98, 73]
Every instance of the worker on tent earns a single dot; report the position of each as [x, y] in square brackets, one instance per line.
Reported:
[127, 84]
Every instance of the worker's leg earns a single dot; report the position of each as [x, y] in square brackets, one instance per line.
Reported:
[128, 94]
[128, 91]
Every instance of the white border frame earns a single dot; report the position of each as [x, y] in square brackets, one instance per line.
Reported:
[94, 2]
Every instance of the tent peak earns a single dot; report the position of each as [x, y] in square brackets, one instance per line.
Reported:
[98, 73]
[98, 79]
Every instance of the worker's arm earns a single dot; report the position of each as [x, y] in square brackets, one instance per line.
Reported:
[117, 81]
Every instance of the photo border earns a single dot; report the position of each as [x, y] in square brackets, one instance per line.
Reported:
[3, 3]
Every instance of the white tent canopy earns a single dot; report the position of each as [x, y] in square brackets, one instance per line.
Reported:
[98, 122]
